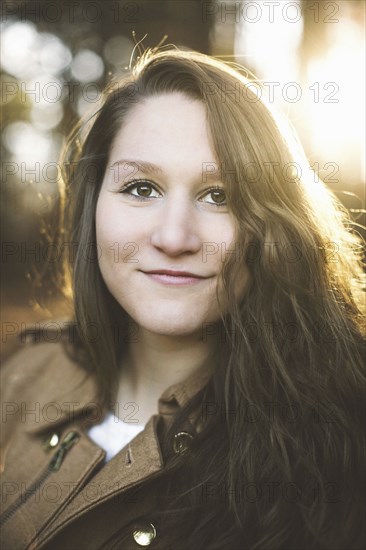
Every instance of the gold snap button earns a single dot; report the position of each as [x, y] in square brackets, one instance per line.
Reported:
[51, 442]
[144, 534]
[181, 442]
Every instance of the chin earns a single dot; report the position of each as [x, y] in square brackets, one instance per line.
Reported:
[169, 325]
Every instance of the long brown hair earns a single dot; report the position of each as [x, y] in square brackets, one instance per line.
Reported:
[283, 436]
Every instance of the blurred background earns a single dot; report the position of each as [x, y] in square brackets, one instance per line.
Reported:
[57, 56]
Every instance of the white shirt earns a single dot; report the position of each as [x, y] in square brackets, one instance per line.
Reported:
[112, 434]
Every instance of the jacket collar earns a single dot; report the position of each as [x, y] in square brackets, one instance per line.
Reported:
[177, 395]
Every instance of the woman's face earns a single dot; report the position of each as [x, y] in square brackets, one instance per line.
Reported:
[169, 221]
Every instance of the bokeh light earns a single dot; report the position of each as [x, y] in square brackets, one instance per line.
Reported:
[27, 144]
[337, 124]
[19, 49]
[270, 43]
[55, 57]
[117, 51]
[87, 66]
[46, 117]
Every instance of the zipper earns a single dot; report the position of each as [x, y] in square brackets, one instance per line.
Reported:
[54, 465]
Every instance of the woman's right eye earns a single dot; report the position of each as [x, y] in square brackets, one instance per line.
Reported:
[143, 188]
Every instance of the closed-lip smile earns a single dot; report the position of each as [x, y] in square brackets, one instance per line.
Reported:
[174, 273]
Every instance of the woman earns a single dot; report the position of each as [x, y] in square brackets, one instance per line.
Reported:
[218, 296]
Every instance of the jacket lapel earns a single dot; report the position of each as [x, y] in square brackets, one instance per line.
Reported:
[137, 461]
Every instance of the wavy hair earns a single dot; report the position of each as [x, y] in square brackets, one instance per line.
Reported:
[278, 460]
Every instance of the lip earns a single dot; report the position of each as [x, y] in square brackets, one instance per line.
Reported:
[177, 278]
[174, 273]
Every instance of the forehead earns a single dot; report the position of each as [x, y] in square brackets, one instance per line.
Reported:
[169, 130]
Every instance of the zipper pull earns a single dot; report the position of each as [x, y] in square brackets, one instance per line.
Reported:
[70, 439]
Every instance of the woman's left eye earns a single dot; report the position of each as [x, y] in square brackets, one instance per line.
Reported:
[218, 195]
[144, 190]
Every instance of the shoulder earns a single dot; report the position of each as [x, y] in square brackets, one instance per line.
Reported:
[41, 386]
[40, 363]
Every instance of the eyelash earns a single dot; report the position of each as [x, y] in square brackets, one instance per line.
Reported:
[135, 183]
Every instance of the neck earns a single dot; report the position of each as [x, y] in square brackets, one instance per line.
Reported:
[154, 363]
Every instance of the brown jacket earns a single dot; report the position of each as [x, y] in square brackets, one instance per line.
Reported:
[57, 492]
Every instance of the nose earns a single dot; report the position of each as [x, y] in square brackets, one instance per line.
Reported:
[176, 231]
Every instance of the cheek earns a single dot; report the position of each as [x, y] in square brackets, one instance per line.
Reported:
[101, 225]
[117, 236]
[108, 254]
[221, 243]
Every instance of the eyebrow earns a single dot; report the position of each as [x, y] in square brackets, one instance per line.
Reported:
[142, 165]
[151, 168]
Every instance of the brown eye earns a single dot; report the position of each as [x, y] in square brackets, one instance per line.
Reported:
[143, 190]
[140, 190]
[218, 197]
